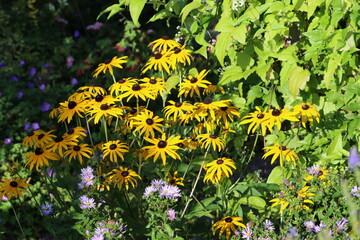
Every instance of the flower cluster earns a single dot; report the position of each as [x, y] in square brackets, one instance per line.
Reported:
[163, 189]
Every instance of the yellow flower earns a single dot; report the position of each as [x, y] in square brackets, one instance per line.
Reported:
[80, 95]
[108, 65]
[55, 112]
[160, 62]
[75, 134]
[173, 180]
[279, 151]
[137, 91]
[13, 187]
[93, 90]
[219, 168]
[70, 108]
[145, 122]
[207, 140]
[277, 116]
[256, 119]
[179, 55]
[59, 144]
[163, 147]
[191, 143]
[105, 111]
[155, 85]
[226, 224]
[123, 176]
[163, 44]
[103, 180]
[31, 139]
[209, 108]
[99, 100]
[307, 113]
[192, 84]
[114, 149]
[79, 151]
[122, 85]
[40, 158]
[224, 113]
[176, 109]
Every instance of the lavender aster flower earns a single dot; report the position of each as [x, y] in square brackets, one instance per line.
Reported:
[101, 231]
[87, 170]
[7, 140]
[158, 183]
[150, 190]
[354, 158]
[97, 237]
[74, 81]
[292, 233]
[47, 208]
[42, 87]
[269, 225]
[32, 72]
[314, 170]
[86, 203]
[171, 214]
[87, 179]
[247, 233]
[355, 191]
[310, 226]
[169, 192]
[45, 106]
[341, 225]
[35, 126]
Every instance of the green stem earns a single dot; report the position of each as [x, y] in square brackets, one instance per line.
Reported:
[17, 219]
[88, 129]
[113, 78]
[103, 122]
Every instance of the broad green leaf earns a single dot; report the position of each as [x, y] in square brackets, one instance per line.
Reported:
[188, 8]
[298, 79]
[160, 15]
[336, 144]
[331, 68]
[171, 82]
[239, 33]
[113, 9]
[136, 7]
[255, 92]
[254, 202]
[223, 43]
[278, 174]
[230, 74]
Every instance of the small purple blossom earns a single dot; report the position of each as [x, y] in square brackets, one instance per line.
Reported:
[169, 192]
[310, 226]
[341, 225]
[171, 214]
[61, 20]
[42, 87]
[95, 26]
[14, 78]
[314, 170]
[20, 94]
[45, 106]
[355, 191]
[292, 233]
[158, 183]
[269, 225]
[31, 84]
[27, 126]
[35, 126]
[319, 227]
[22, 63]
[7, 140]
[74, 81]
[69, 61]
[47, 208]
[32, 72]
[86, 203]
[97, 237]
[150, 190]
[247, 233]
[47, 65]
[87, 170]
[354, 158]
[2, 64]
[88, 179]
[101, 231]
[76, 34]
[50, 173]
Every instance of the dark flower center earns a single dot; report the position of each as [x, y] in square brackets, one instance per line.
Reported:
[58, 139]
[101, 178]
[38, 151]
[177, 50]
[228, 219]
[149, 121]
[165, 37]
[71, 131]
[181, 145]
[133, 111]
[283, 148]
[178, 104]
[260, 116]
[41, 136]
[172, 182]
[157, 56]
[80, 91]
[276, 112]
[31, 133]
[77, 148]
[136, 87]
[125, 173]
[104, 107]
[305, 107]
[107, 61]
[153, 81]
[13, 184]
[220, 161]
[122, 81]
[193, 80]
[113, 146]
[320, 173]
[99, 98]
[207, 100]
[212, 136]
[57, 105]
[194, 140]
[224, 108]
[71, 105]
[162, 144]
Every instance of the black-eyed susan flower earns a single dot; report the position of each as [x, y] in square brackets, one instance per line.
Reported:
[93, 90]
[75, 134]
[160, 61]
[192, 84]
[44, 138]
[99, 100]
[79, 152]
[281, 152]
[307, 112]
[80, 95]
[123, 176]
[114, 149]
[163, 147]
[179, 55]
[316, 172]
[54, 113]
[103, 180]
[104, 110]
[207, 140]
[175, 109]
[13, 187]
[218, 169]
[209, 108]
[225, 114]
[163, 44]
[155, 85]
[173, 180]
[137, 91]
[147, 123]
[257, 119]
[122, 85]
[208, 126]
[40, 157]
[227, 224]
[108, 65]
[69, 109]
[277, 116]
[213, 88]
[32, 137]
[191, 143]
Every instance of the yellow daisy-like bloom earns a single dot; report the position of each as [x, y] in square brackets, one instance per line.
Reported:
[317, 172]
[137, 91]
[219, 168]
[213, 88]
[108, 65]
[145, 122]
[103, 182]
[208, 126]
[227, 224]
[307, 112]
[123, 176]
[192, 84]
[256, 119]
[179, 55]
[207, 140]
[122, 85]
[80, 95]
[40, 157]
[155, 85]
[160, 62]
[75, 134]
[44, 138]
[279, 151]
[79, 151]
[55, 112]
[209, 108]
[163, 147]
[93, 90]
[191, 143]
[163, 44]
[32, 137]
[277, 116]
[176, 109]
[105, 111]
[71, 108]
[173, 180]
[114, 149]
[100, 100]
[13, 187]
[59, 144]
[224, 113]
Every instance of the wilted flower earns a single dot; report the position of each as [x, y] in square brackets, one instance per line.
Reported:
[47, 208]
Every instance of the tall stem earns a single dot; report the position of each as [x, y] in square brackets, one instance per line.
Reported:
[18, 222]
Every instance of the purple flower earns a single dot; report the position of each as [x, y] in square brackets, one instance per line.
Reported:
[74, 81]
[269, 225]
[20, 94]
[101, 231]
[35, 126]
[69, 61]
[95, 26]
[150, 190]
[247, 233]
[7, 140]
[86, 203]
[61, 20]
[310, 226]
[14, 78]
[319, 227]
[32, 72]
[314, 170]
[42, 87]
[50, 173]
[31, 84]
[47, 65]
[341, 225]
[292, 233]
[171, 214]
[76, 34]
[354, 158]
[158, 183]
[97, 237]
[45, 106]
[2, 64]
[47, 208]
[169, 192]
[87, 179]
[87, 170]
[355, 191]
[27, 126]
[22, 63]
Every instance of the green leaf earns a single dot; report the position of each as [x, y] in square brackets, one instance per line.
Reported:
[239, 33]
[278, 174]
[188, 8]
[254, 202]
[171, 82]
[113, 9]
[298, 79]
[336, 143]
[136, 7]
[223, 43]
[230, 74]
[160, 15]
[255, 92]
[330, 70]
